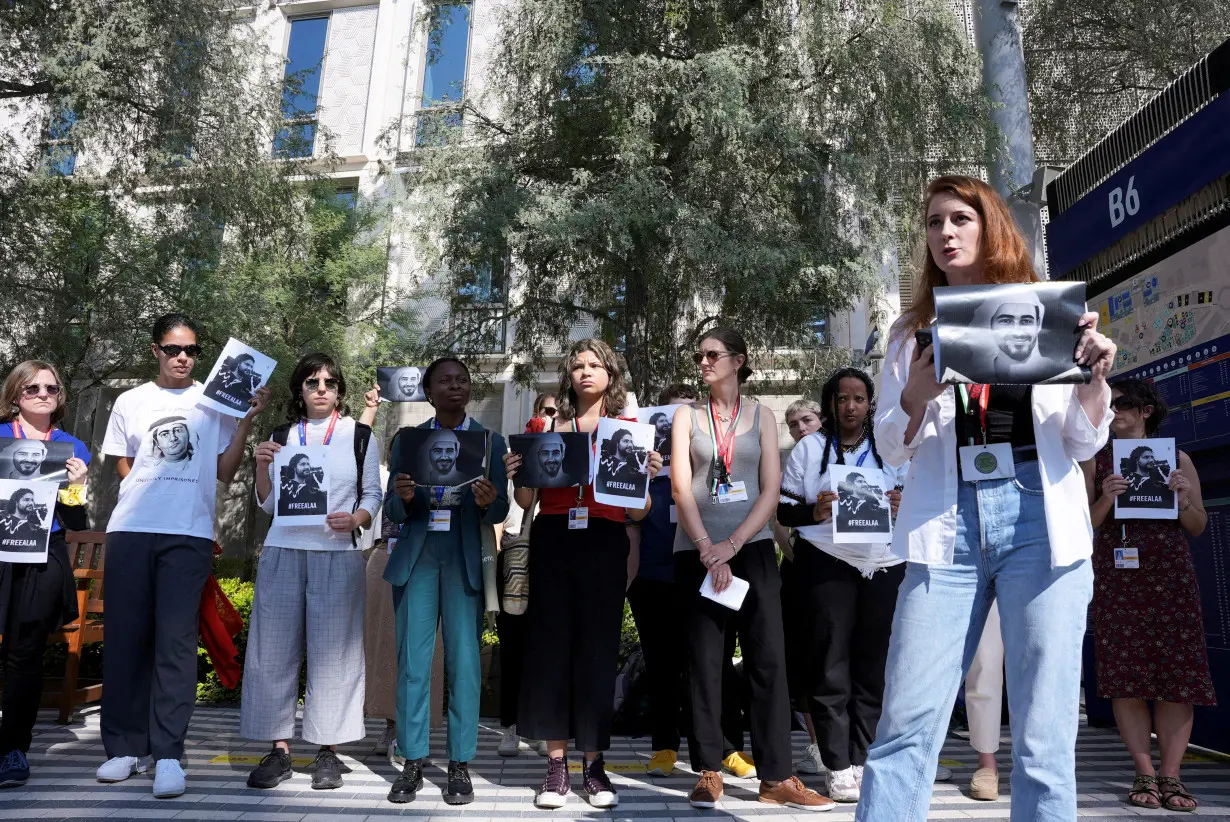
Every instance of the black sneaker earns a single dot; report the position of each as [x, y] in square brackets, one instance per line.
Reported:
[406, 786]
[460, 790]
[273, 770]
[555, 787]
[14, 770]
[598, 785]
[326, 770]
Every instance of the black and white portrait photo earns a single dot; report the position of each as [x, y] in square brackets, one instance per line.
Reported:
[622, 477]
[172, 446]
[1146, 465]
[555, 459]
[26, 510]
[26, 460]
[401, 383]
[443, 457]
[239, 371]
[661, 417]
[861, 513]
[1011, 334]
[302, 473]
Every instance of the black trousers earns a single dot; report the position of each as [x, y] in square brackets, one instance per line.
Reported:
[36, 608]
[510, 628]
[848, 622]
[759, 626]
[153, 585]
[577, 583]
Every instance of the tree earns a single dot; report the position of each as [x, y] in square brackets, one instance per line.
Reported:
[1091, 63]
[659, 167]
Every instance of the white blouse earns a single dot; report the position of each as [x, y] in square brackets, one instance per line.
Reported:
[926, 529]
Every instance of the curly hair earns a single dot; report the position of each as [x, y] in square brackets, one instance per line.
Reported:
[613, 399]
[828, 415]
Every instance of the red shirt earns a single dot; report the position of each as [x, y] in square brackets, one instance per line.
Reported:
[560, 500]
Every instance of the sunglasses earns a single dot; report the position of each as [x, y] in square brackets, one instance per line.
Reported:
[32, 390]
[1123, 404]
[711, 356]
[193, 350]
[549, 410]
[313, 383]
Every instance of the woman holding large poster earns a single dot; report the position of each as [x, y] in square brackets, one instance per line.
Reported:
[36, 598]
[993, 508]
[1147, 626]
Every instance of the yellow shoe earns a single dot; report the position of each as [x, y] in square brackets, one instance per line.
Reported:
[739, 764]
[662, 763]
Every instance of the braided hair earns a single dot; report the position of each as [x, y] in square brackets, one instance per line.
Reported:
[828, 416]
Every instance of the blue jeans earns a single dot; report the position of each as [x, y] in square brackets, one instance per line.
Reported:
[1002, 553]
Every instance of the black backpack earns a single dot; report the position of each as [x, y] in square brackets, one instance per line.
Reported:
[362, 433]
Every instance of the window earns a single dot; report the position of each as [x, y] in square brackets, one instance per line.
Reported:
[819, 326]
[59, 152]
[305, 56]
[444, 75]
[484, 283]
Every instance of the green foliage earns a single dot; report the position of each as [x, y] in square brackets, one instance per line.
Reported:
[659, 167]
[208, 688]
[1091, 63]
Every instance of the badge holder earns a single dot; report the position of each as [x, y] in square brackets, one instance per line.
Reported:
[1126, 558]
[439, 519]
[987, 462]
[578, 516]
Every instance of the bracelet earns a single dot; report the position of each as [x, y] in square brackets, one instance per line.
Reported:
[733, 547]
[702, 539]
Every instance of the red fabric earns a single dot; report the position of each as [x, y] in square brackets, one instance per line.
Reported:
[220, 624]
[560, 500]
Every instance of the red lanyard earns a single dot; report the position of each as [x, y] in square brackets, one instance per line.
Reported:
[328, 433]
[20, 434]
[982, 395]
[724, 445]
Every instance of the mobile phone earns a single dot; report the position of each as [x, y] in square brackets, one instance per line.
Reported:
[922, 338]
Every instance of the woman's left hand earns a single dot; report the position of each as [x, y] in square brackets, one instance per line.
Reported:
[341, 522]
[655, 463]
[1181, 485]
[722, 577]
[713, 555]
[894, 500]
[1095, 349]
[77, 469]
[484, 492]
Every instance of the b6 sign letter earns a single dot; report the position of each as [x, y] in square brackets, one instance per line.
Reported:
[1124, 205]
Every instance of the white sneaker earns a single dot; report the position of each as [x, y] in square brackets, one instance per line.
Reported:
[395, 758]
[168, 779]
[858, 776]
[843, 785]
[386, 738]
[510, 743]
[811, 763]
[119, 768]
[942, 774]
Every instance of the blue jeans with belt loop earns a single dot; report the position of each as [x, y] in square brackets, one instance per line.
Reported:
[1002, 552]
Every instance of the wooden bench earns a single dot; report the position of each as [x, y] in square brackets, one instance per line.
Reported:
[86, 550]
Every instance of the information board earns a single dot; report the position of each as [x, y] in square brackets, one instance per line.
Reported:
[1171, 323]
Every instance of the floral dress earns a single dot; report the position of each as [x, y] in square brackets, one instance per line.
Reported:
[1148, 631]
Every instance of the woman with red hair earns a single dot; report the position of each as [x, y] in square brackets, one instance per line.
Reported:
[1022, 539]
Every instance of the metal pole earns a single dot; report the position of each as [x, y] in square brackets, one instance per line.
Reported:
[997, 33]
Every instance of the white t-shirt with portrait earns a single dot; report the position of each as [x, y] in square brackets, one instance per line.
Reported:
[174, 446]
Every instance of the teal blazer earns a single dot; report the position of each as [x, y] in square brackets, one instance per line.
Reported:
[413, 517]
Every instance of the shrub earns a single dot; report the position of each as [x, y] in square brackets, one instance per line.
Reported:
[208, 688]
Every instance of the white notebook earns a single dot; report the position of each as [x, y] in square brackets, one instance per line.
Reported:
[732, 597]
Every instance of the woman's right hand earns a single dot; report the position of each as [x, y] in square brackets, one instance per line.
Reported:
[824, 506]
[511, 463]
[403, 486]
[1113, 486]
[265, 453]
[921, 387]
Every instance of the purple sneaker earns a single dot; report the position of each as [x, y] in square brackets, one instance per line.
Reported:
[555, 788]
[598, 785]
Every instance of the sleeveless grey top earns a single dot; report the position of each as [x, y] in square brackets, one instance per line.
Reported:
[721, 520]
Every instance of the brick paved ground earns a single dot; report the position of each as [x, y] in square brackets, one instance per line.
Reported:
[64, 759]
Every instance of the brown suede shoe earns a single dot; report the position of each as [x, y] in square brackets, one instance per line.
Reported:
[794, 793]
[707, 792]
[985, 784]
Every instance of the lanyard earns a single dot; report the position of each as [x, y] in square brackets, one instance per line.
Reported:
[836, 446]
[1124, 532]
[724, 447]
[328, 433]
[593, 451]
[982, 395]
[20, 434]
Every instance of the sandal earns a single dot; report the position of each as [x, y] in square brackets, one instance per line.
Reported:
[1171, 788]
[1145, 785]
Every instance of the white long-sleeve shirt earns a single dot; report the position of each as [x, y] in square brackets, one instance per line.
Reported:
[926, 529]
[343, 488]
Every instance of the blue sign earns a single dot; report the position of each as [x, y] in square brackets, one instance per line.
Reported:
[1182, 163]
